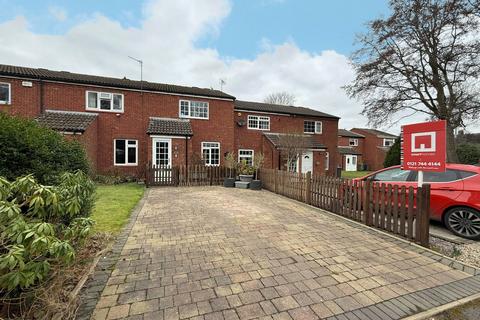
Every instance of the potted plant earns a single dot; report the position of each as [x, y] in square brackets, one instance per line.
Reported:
[245, 171]
[257, 164]
[230, 164]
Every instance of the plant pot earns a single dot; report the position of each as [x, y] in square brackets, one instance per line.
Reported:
[246, 177]
[256, 185]
[229, 182]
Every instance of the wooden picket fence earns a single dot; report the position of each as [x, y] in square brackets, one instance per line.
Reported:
[399, 210]
[191, 175]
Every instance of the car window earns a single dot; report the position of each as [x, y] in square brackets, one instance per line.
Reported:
[395, 174]
[448, 175]
[465, 174]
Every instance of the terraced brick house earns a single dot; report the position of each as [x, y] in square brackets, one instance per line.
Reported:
[376, 144]
[125, 124]
[350, 150]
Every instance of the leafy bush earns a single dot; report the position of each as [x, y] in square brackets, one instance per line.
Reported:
[468, 153]
[392, 158]
[40, 226]
[28, 148]
[244, 168]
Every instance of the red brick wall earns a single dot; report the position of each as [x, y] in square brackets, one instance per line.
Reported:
[252, 139]
[25, 101]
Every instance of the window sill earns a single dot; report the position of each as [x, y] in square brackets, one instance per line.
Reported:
[196, 118]
[258, 129]
[125, 165]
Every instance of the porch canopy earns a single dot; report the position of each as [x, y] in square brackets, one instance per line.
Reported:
[169, 127]
[307, 140]
[67, 121]
[348, 150]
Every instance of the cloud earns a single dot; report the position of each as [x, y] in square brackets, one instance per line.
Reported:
[166, 41]
[58, 13]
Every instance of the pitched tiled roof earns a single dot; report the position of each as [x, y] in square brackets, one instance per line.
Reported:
[350, 134]
[66, 121]
[169, 127]
[378, 133]
[276, 140]
[347, 150]
[64, 76]
[277, 108]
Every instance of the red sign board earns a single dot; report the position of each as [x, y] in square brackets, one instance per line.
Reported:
[424, 146]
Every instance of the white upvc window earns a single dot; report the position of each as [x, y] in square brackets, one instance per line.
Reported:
[104, 101]
[258, 122]
[193, 109]
[211, 153]
[353, 142]
[388, 142]
[312, 127]
[5, 93]
[247, 155]
[327, 160]
[125, 152]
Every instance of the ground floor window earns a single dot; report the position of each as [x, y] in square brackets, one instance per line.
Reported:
[246, 155]
[126, 152]
[211, 153]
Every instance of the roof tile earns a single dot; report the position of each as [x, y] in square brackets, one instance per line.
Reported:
[169, 126]
[277, 108]
[66, 121]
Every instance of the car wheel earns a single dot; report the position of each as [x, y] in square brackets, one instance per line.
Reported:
[464, 222]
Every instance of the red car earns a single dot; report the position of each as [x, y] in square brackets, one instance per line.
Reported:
[455, 195]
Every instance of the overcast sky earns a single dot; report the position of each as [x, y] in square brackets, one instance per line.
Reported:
[257, 47]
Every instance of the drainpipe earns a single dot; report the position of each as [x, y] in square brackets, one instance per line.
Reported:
[41, 95]
[186, 150]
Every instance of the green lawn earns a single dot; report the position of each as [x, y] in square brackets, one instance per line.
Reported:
[354, 174]
[114, 204]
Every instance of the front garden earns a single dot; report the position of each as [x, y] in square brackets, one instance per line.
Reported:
[54, 220]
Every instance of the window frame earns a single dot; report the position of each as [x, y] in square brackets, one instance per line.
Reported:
[355, 142]
[9, 101]
[98, 109]
[126, 164]
[209, 148]
[252, 156]
[388, 139]
[315, 123]
[189, 116]
[264, 118]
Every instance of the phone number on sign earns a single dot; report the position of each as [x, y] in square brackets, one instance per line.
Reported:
[424, 164]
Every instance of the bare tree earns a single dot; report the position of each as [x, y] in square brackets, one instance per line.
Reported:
[292, 146]
[424, 58]
[283, 98]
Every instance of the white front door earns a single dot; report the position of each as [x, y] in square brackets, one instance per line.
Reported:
[350, 162]
[162, 152]
[307, 162]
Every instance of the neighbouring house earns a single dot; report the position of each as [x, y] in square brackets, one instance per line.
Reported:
[126, 124]
[350, 150]
[259, 127]
[376, 143]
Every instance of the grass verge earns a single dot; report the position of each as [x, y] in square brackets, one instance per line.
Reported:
[114, 204]
[354, 174]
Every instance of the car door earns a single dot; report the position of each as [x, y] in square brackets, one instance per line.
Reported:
[445, 188]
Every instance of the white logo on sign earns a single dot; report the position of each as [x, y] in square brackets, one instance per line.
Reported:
[424, 142]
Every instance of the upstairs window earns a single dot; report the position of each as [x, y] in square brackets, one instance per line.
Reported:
[5, 93]
[245, 155]
[193, 109]
[104, 101]
[126, 152]
[259, 123]
[312, 127]
[211, 153]
[388, 142]
[353, 142]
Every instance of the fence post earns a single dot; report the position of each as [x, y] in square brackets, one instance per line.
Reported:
[308, 188]
[424, 216]
[366, 203]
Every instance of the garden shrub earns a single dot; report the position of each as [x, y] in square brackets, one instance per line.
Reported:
[468, 153]
[392, 158]
[28, 148]
[40, 227]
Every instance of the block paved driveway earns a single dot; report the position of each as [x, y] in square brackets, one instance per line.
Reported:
[217, 253]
